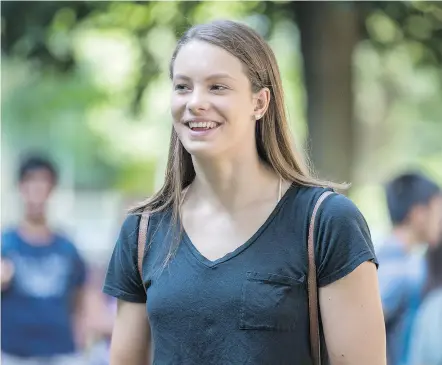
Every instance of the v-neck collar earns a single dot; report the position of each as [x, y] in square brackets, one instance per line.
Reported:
[209, 263]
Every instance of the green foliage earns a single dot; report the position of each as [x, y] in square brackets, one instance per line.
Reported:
[88, 81]
[415, 22]
[107, 122]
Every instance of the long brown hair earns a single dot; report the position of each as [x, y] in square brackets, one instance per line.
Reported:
[273, 137]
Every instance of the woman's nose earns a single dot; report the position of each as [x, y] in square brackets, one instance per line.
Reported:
[198, 101]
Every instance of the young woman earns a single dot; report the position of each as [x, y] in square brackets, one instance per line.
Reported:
[225, 264]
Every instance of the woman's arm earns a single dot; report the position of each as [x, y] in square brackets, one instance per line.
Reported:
[131, 335]
[352, 318]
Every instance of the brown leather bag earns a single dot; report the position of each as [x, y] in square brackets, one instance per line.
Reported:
[142, 237]
[312, 286]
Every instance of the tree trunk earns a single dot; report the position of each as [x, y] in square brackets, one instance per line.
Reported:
[329, 32]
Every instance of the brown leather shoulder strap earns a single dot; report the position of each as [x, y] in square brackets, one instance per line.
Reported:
[315, 343]
[142, 235]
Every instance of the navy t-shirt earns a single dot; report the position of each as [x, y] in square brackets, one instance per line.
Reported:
[250, 306]
[36, 309]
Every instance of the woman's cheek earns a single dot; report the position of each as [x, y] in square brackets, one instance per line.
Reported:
[178, 107]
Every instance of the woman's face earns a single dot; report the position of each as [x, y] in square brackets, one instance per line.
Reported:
[212, 104]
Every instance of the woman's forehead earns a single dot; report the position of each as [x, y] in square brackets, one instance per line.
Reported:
[203, 59]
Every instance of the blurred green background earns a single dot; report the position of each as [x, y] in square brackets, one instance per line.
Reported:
[87, 83]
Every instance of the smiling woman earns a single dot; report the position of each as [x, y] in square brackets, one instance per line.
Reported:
[224, 277]
[222, 98]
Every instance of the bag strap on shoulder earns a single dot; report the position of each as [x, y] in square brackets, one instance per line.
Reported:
[312, 286]
[142, 235]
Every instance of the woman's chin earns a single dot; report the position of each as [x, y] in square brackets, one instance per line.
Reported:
[201, 149]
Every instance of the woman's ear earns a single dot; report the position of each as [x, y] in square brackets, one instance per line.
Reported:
[261, 102]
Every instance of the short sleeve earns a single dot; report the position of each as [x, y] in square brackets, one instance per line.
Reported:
[342, 239]
[122, 279]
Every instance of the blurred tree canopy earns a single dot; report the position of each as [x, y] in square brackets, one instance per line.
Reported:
[26, 25]
[51, 77]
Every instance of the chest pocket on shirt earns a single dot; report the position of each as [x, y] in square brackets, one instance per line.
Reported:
[271, 302]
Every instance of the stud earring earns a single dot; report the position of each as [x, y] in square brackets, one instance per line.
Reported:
[258, 116]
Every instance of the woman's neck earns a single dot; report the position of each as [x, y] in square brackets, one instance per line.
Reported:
[232, 183]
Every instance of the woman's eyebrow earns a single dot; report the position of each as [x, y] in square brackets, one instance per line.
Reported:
[220, 76]
[210, 77]
[183, 77]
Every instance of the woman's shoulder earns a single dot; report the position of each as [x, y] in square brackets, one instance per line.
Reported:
[335, 205]
[130, 223]
[342, 237]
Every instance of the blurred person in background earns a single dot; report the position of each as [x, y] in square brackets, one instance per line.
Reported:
[42, 279]
[415, 206]
[426, 339]
[225, 265]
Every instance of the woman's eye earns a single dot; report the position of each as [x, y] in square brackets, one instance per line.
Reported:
[219, 88]
[181, 87]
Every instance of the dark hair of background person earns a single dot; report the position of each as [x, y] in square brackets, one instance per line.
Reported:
[33, 162]
[407, 191]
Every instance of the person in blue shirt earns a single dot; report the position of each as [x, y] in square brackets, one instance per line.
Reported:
[427, 330]
[415, 207]
[42, 281]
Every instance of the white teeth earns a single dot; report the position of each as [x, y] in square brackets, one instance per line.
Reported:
[208, 125]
